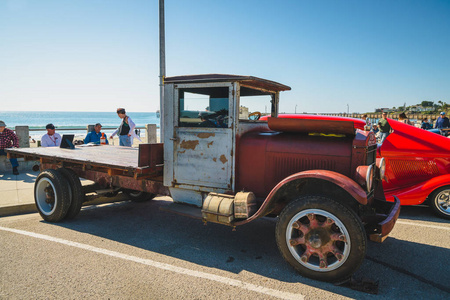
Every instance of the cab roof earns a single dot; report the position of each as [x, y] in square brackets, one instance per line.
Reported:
[249, 81]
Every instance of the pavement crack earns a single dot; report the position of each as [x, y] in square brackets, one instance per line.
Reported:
[409, 273]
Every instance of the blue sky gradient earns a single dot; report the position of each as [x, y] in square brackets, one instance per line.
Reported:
[97, 55]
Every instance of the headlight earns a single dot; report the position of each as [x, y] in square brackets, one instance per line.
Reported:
[369, 178]
[381, 164]
[364, 176]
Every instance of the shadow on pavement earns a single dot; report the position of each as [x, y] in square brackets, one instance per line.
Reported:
[251, 248]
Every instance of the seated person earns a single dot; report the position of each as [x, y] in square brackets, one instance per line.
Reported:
[96, 136]
[426, 125]
[51, 139]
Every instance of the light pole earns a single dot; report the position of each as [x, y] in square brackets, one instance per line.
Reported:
[162, 67]
[348, 109]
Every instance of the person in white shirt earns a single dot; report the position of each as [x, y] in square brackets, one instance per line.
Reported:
[126, 130]
[51, 139]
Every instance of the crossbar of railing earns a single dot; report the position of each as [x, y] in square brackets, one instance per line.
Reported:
[79, 129]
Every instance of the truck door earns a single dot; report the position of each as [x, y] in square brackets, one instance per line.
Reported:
[203, 139]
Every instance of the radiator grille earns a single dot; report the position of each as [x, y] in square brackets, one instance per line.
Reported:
[411, 168]
[371, 155]
[285, 166]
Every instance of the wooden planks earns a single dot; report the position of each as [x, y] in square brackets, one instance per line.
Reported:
[115, 157]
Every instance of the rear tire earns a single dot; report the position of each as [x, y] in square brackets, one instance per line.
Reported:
[52, 195]
[138, 196]
[321, 238]
[77, 194]
[439, 201]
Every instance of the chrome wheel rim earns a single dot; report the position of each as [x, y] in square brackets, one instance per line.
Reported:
[442, 201]
[318, 240]
[45, 196]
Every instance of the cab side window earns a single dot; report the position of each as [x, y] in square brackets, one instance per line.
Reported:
[203, 107]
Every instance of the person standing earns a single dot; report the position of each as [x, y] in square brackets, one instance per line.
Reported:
[404, 119]
[125, 130]
[442, 121]
[385, 128]
[8, 139]
[96, 136]
[51, 139]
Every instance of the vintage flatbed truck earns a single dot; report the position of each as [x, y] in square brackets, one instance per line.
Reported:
[218, 162]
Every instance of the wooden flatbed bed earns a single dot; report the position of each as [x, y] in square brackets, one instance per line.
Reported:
[115, 157]
[138, 169]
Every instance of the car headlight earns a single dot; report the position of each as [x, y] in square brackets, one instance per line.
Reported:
[381, 164]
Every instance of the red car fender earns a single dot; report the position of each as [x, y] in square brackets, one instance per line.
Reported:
[340, 180]
[417, 194]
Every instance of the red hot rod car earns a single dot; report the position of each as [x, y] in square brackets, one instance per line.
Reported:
[417, 167]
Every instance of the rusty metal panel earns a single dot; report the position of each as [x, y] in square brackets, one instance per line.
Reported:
[203, 157]
[312, 126]
[151, 155]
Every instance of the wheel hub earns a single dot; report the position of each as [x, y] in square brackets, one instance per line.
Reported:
[315, 241]
[320, 240]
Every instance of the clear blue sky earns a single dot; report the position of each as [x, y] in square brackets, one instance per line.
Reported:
[97, 55]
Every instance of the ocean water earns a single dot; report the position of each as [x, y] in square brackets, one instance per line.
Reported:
[37, 120]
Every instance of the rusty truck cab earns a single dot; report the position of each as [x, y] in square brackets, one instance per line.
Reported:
[206, 116]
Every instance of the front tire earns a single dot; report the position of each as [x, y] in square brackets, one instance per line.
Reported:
[439, 202]
[52, 195]
[321, 238]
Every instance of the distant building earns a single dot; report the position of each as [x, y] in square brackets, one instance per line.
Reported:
[420, 108]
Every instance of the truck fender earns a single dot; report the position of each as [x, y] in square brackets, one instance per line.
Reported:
[338, 179]
[417, 194]
[349, 185]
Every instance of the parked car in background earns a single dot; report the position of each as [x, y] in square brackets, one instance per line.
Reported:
[417, 167]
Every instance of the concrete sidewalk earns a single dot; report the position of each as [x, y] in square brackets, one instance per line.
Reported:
[17, 193]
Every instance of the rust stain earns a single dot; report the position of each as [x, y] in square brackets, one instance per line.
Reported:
[205, 135]
[210, 143]
[188, 144]
[214, 159]
[223, 159]
[181, 152]
[223, 168]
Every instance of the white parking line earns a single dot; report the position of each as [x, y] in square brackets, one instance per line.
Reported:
[423, 225]
[163, 266]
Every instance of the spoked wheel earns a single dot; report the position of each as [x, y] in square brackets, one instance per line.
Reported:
[321, 238]
[52, 195]
[439, 201]
[254, 116]
[138, 196]
[76, 192]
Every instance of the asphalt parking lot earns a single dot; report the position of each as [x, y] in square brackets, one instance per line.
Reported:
[129, 250]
